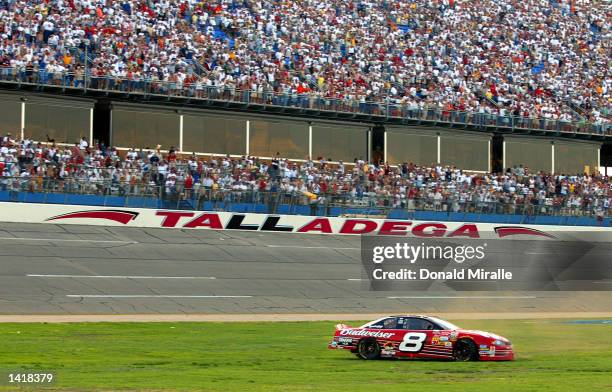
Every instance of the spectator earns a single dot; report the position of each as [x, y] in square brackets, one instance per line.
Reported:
[533, 59]
[29, 166]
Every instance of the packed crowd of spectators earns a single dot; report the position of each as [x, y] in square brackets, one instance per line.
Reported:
[97, 169]
[530, 58]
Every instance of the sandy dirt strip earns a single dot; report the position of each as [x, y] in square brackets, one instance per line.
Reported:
[282, 317]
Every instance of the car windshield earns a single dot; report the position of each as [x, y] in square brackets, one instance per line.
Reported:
[443, 323]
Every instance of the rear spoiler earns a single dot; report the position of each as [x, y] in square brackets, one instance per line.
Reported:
[341, 326]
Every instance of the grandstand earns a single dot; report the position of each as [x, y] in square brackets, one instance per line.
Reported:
[383, 107]
[535, 59]
[84, 174]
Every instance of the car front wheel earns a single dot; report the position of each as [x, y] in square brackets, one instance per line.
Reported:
[368, 349]
[465, 350]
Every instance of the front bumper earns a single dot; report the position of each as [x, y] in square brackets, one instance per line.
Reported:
[499, 354]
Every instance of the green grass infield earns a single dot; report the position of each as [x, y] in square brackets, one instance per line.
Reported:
[552, 355]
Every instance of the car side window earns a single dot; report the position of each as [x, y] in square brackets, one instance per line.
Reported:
[419, 324]
[402, 322]
[388, 323]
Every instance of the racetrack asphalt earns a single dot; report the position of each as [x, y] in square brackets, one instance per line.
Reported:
[50, 269]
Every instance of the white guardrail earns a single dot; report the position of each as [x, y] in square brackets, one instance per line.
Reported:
[175, 219]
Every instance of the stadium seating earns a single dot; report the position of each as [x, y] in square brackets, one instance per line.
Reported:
[515, 61]
[99, 175]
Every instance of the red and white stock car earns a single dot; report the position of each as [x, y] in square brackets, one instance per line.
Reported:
[420, 337]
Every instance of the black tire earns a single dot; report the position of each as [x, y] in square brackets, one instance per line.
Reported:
[465, 350]
[368, 349]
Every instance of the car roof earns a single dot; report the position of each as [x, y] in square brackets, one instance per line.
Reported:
[432, 319]
[398, 316]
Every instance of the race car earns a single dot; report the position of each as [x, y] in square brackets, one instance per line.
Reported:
[416, 336]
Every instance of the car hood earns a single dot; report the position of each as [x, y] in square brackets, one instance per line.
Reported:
[484, 334]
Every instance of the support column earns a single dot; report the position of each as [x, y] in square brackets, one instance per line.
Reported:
[310, 141]
[248, 137]
[599, 160]
[369, 157]
[180, 133]
[23, 109]
[504, 156]
[91, 125]
[489, 156]
[552, 163]
[385, 147]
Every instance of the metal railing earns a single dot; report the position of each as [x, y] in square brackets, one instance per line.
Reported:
[578, 111]
[108, 192]
[388, 107]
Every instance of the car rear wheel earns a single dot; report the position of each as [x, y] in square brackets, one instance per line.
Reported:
[465, 350]
[368, 349]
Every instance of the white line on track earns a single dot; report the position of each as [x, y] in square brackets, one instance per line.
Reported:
[309, 247]
[119, 276]
[154, 296]
[67, 240]
[465, 297]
